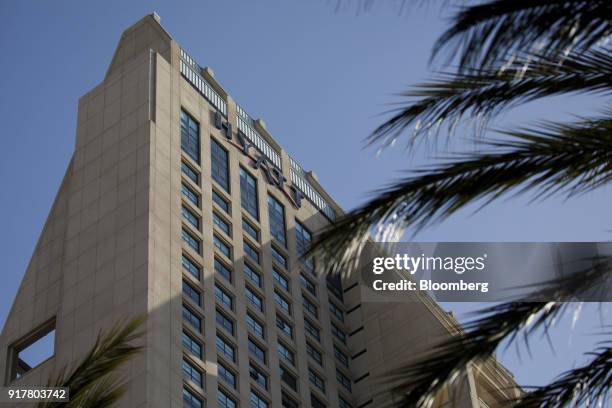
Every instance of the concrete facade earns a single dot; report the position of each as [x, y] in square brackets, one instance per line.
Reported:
[113, 247]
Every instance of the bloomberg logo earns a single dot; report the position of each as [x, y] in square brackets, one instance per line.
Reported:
[272, 173]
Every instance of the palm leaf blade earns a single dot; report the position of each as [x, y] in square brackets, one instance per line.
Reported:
[91, 382]
[484, 35]
[570, 159]
[483, 93]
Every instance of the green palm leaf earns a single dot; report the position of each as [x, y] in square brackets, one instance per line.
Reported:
[587, 385]
[91, 383]
[104, 393]
[418, 383]
[569, 159]
[481, 94]
[486, 35]
[509, 52]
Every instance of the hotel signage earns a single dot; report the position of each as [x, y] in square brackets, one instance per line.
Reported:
[272, 173]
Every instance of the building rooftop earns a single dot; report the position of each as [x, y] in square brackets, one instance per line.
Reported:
[202, 78]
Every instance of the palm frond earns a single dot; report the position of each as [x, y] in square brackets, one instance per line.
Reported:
[105, 393]
[483, 93]
[484, 35]
[570, 159]
[110, 351]
[418, 382]
[588, 385]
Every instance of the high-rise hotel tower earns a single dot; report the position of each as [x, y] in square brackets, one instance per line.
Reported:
[179, 205]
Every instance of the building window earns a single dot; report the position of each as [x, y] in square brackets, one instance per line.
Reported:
[219, 166]
[225, 322]
[341, 357]
[194, 347]
[255, 326]
[221, 202]
[310, 307]
[282, 303]
[257, 351]
[221, 224]
[251, 252]
[256, 401]
[280, 279]
[190, 136]
[316, 380]
[336, 311]
[32, 350]
[190, 266]
[276, 213]
[192, 373]
[225, 401]
[250, 230]
[286, 353]
[253, 299]
[259, 376]
[223, 270]
[315, 402]
[227, 375]
[223, 297]
[248, 193]
[284, 326]
[190, 173]
[343, 403]
[312, 330]
[288, 378]
[192, 293]
[340, 335]
[343, 379]
[303, 239]
[191, 218]
[253, 276]
[190, 195]
[308, 285]
[190, 400]
[334, 285]
[225, 348]
[224, 248]
[190, 240]
[287, 401]
[278, 257]
[192, 318]
[314, 354]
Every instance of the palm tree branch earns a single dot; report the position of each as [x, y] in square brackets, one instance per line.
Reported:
[106, 392]
[590, 383]
[484, 35]
[571, 158]
[110, 351]
[418, 382]
[482, 94]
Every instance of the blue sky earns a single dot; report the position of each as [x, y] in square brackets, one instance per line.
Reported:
[320, 78]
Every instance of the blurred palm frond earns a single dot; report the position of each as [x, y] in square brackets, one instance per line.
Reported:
[551, 159]
[91, 381]
[488, 34]
[588, 385]
[419, 382]
[480, 94]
